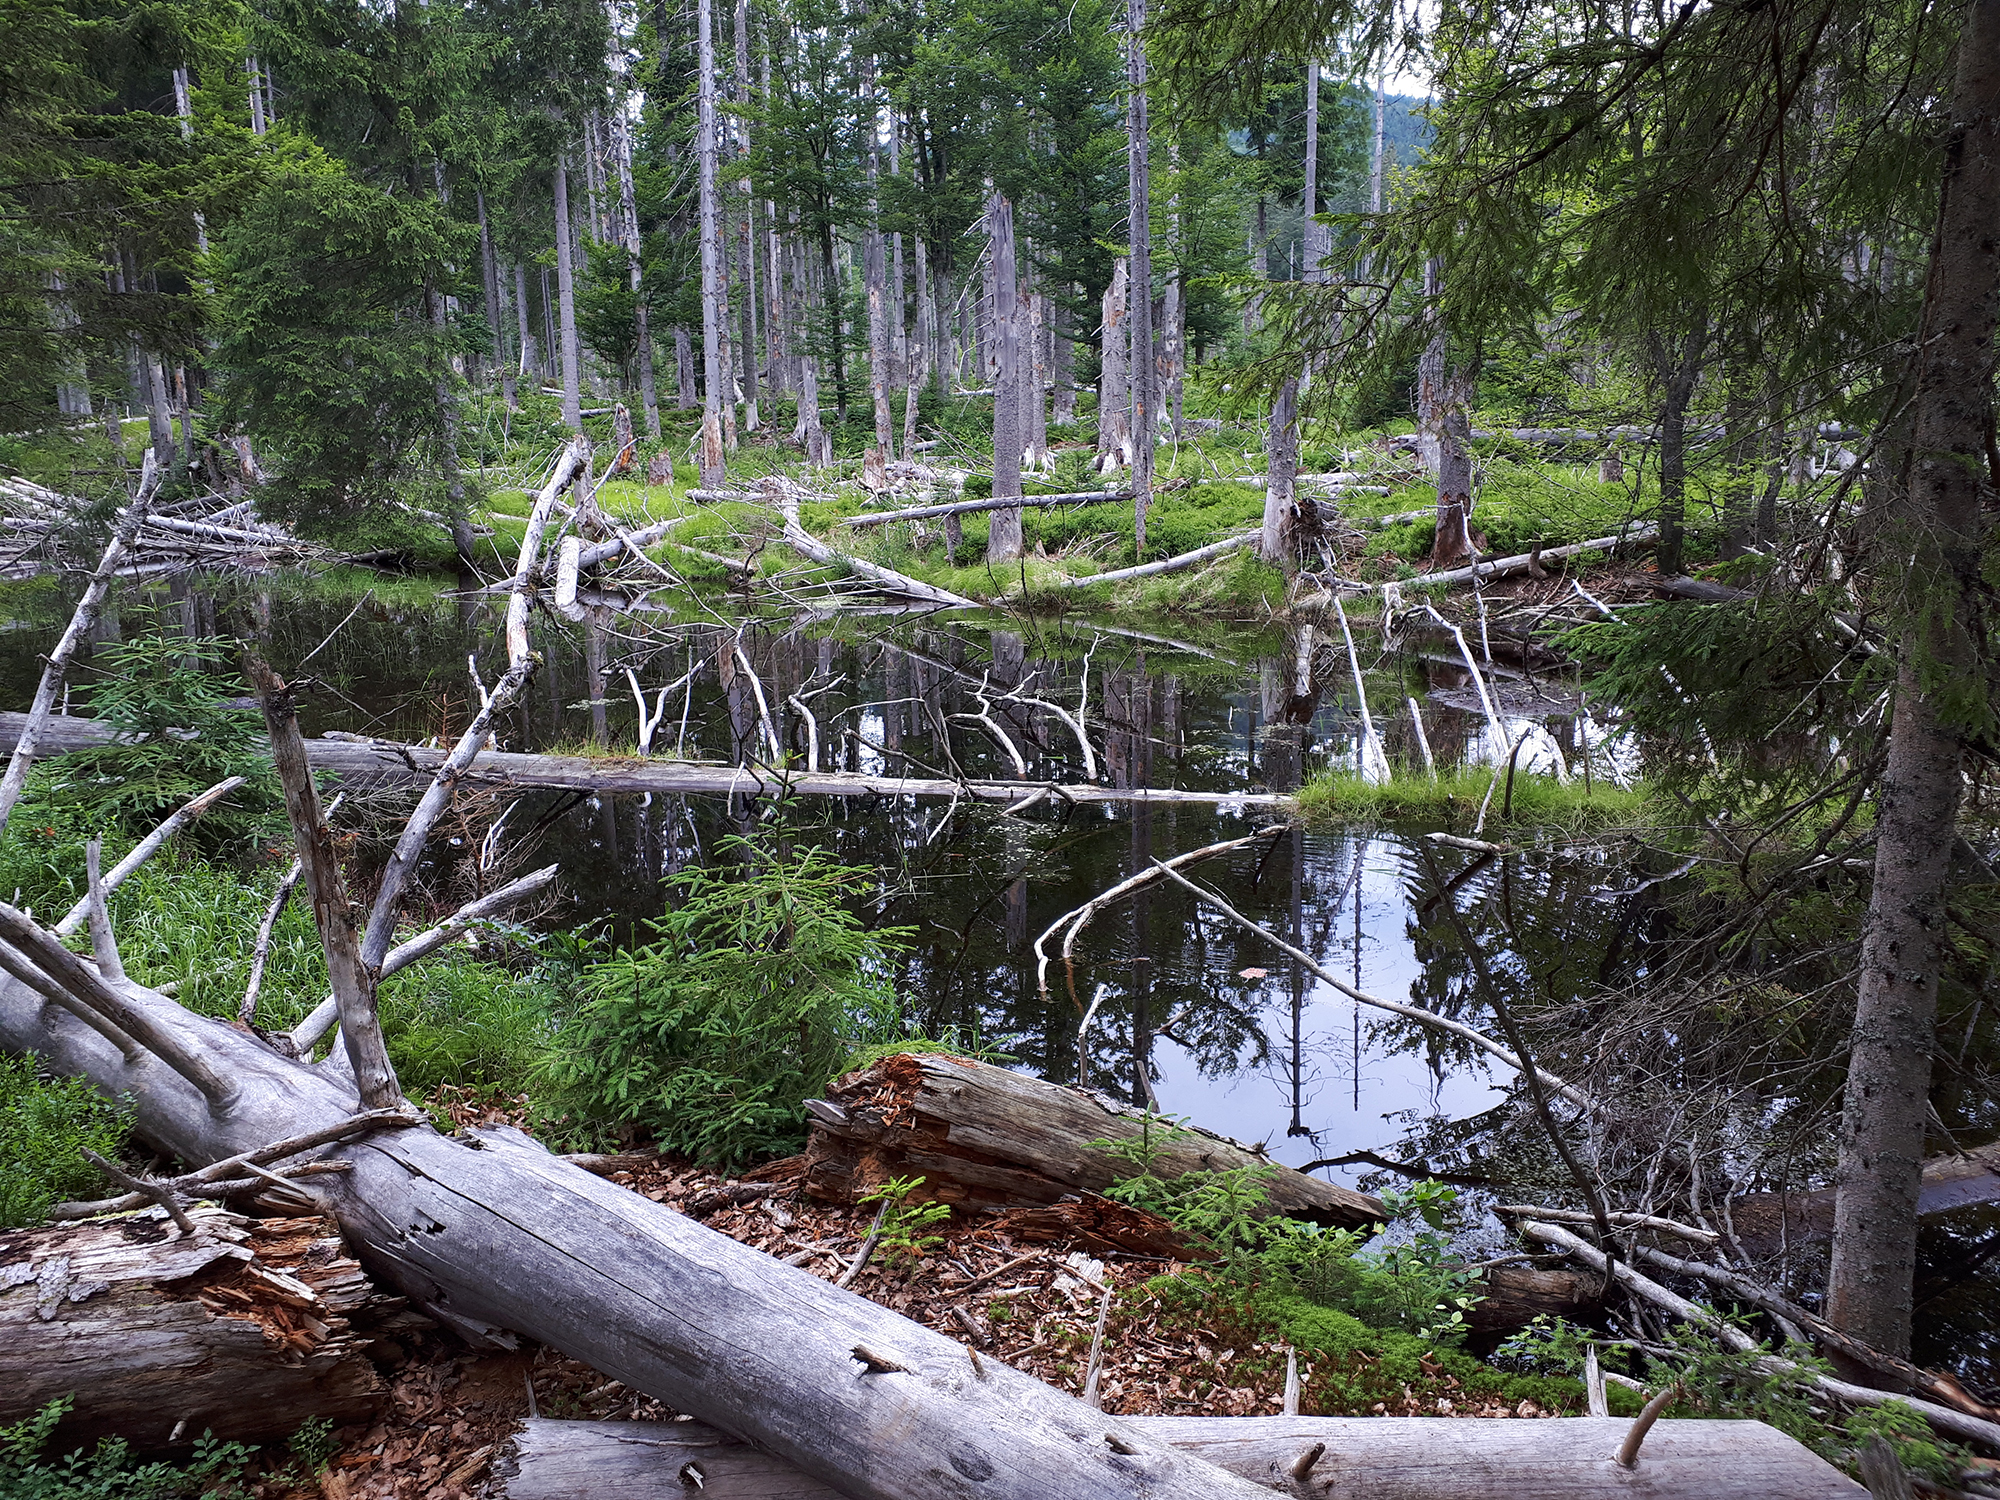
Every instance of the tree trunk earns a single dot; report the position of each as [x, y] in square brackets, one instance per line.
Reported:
[686, 397]
[1062, 354]
[572, 353]
[241, 1329]
[1114, 396]
[1036, 381]
[1275, 542]
[1003, 537]
[1936, 543]
[488, 1232]
[1363, 1458]
[1678, 366]
[1138, 208]
[1445, 430]
[628, 234]
[495, 308]
[713, 323]
[747, 245]
[530, 365]
[980, 1134]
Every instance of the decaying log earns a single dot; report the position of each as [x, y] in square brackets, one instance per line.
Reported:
[1363, 1458]
[981, 1135]
[1512, 1297]
[356, 758]
[489, 1232]
[889, 580]
[245, 1328]
[1499, 567]
[1154, 569]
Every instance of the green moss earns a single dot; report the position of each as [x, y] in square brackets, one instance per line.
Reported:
[1452, 800]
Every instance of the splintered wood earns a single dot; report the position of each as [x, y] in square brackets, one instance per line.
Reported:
[246, 1328]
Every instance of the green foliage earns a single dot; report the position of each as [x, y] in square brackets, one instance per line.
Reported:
[314, 1445]
[758, 984]
[45, 1127]
[1911, 1438]
[900, 1228]
[329, 357]
[214, 1472]
[168, 698]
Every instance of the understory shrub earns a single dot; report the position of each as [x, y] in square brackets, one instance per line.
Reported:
[758, 984]
[46, 1124]
[214, 1471]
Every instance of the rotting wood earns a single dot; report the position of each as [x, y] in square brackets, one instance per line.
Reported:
[1363, 1458]
[980, 1134]
[243, 1327]
[888, 580]
[1500, 567]
[490, 1233]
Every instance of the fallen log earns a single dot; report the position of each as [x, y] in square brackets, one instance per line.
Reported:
[1500, 567]
[361, 759]
[1153, 569]
[888, 580]
[490, 1233]
[966, 507]
[245, 1328]
[981, 1135]
[1363, 1458]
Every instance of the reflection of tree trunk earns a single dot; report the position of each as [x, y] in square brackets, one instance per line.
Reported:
[593, 657]
[1938, 540]
[1016, 901]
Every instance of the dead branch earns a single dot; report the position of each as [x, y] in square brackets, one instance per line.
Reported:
[147, 847]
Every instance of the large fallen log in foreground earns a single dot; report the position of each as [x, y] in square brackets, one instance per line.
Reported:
[981, 1135]
[1364, 1458]
[241, 1329]
[489, 1232]
[353, 757]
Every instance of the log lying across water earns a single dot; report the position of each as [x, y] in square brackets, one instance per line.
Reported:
[1365, 1458]
[981, 1135]
[242, 1329]
[351, 756]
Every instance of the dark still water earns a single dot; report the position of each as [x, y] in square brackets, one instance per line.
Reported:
[1207, 1021]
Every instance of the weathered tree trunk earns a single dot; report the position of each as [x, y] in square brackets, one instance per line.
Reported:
[875, 277]
[747, 245]
[1139, 198]
[495, 308]
[1003, 537]
[713, 396]
[1035, 382]
[1361, 1458]
[685, 395]
[572, 353]
[1445, 429]
[1936, 542]
[1114, 394]
[1275, 541]
[980, 1134]
[628, 233]
[241, 1329]
[489, 1232]
[531, 364]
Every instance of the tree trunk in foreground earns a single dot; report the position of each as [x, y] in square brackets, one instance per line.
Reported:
[981, 1134]
[1364, 1458]
[1114, 415]
[490, 1233]
[1937, 545]
[241, 1329]
[1275, 543]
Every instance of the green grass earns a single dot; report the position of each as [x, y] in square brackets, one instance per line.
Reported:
[1452, 800]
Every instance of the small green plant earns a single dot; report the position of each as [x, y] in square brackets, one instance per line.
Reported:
[313, 1446]
[900, 1229]
[1555, 1346]
[759, 983]
[169, 700]
[214, 1472]
[1915, 1444]
[45, 1127]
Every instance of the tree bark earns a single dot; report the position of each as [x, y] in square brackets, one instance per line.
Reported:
[747, 245]
[713, 358]
[1003, 537]
[628, 234]
[1275, 542]
[1114, 393]
[241, 1329]
[1678, 367]
[1937, 544]
[495, 308]
[1138, 176]
[980, 1135]
[572, 353]
[1444, 430]
[1364, 1458]
[488, 1232]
